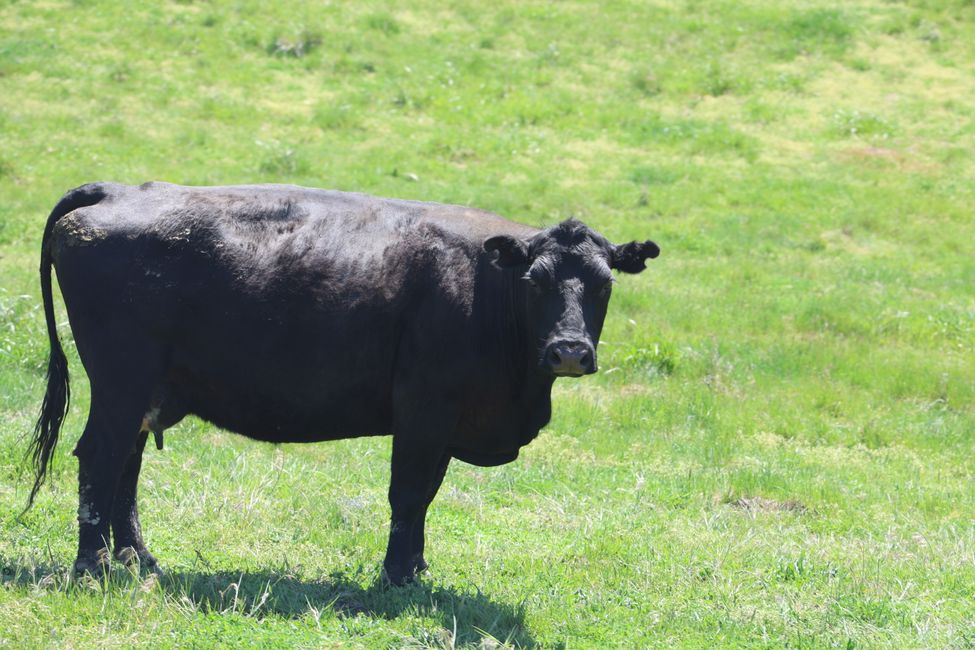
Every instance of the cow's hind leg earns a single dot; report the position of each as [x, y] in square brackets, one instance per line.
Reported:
[129, 545]
[105, 455]
[165, 411]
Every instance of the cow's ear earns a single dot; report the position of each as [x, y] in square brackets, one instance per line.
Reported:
[511, 251]
[632, 257]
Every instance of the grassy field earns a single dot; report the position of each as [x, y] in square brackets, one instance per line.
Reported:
[779, 450]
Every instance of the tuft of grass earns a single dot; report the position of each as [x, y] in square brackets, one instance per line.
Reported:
[717, 80]
[294, 47]
[383, 23]
[827, 31]
[646, 81]
[854, 123]
[336, 118]
[659, 359]
[283, 161]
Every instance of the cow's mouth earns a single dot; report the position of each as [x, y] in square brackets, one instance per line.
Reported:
[571, 373]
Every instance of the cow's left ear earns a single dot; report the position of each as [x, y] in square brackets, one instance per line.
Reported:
[632, 257]
[511, 251]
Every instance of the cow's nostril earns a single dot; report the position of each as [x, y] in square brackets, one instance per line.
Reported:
[570, 358]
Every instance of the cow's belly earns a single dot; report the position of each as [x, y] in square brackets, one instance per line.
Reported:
[291, 371]
[284, 413]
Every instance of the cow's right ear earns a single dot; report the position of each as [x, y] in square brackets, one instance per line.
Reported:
[511, 251]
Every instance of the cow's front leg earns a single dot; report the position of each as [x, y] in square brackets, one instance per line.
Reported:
[415, 466]
[419, 564]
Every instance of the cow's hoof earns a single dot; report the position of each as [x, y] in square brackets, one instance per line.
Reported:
[395, 579]
[137, 560]
[419, 565]
[95, 567]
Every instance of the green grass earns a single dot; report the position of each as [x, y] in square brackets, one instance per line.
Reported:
[779, 449]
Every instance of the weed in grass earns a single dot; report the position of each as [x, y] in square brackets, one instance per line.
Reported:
[854, 123]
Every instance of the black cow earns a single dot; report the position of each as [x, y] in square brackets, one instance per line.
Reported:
[288, 314]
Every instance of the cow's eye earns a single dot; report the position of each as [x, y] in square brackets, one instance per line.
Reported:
[534, 283]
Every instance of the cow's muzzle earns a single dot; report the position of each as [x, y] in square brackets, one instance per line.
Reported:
[570, 358]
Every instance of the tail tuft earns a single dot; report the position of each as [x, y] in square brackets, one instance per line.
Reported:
[53, 410]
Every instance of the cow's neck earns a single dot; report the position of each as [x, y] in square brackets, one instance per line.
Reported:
[529, 385]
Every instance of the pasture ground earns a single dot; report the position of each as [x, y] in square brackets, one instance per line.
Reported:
[779, 449]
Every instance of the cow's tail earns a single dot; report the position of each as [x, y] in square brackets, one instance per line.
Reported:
[55, 404]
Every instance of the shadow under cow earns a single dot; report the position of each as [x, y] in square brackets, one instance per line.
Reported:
[469, 616]
[472, 615]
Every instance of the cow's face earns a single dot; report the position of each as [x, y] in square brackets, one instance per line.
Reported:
[567, 280]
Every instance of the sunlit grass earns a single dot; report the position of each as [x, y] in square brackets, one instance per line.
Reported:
[778, 449]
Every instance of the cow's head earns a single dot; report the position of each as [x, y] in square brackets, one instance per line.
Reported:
[567, 282]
